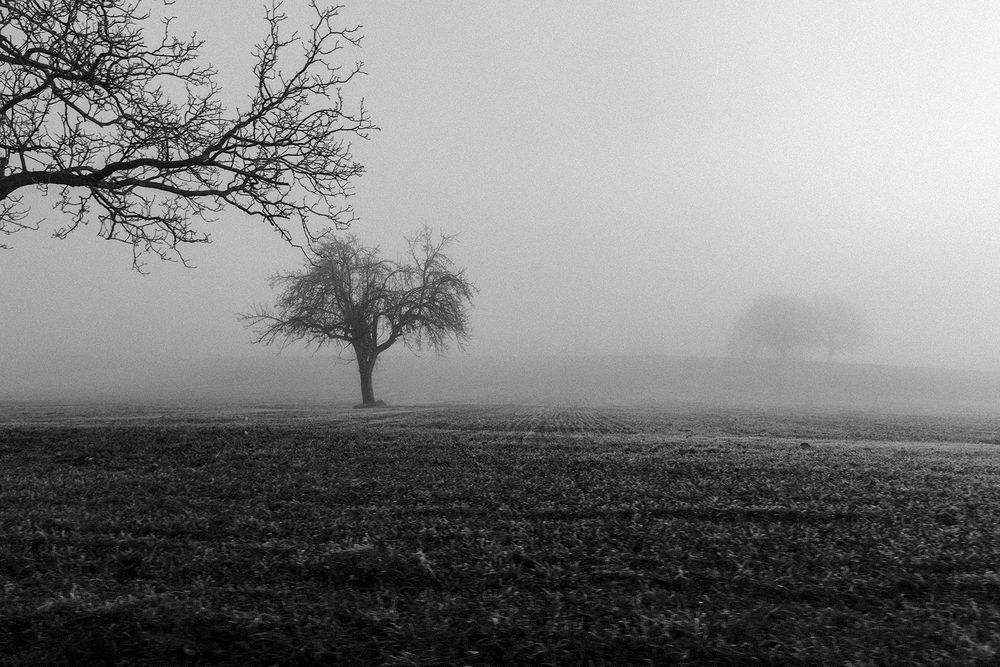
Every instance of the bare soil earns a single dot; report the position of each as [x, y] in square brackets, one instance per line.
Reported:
[496, 534]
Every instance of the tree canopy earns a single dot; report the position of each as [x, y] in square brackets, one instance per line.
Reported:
[352, 297]
[127, 129]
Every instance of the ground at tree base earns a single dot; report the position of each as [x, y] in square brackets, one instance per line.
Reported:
[490, 535]
[374, 404]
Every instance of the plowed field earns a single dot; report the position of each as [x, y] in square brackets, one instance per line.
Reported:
[498, 534]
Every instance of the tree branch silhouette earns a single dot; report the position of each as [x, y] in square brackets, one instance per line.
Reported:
[130, 132]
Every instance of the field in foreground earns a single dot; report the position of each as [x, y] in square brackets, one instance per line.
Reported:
[467, 535]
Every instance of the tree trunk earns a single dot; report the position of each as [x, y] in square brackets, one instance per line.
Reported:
[365, 368]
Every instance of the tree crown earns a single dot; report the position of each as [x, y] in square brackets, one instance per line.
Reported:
[350, 296]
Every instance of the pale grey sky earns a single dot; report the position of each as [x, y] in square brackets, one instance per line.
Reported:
[624, 178]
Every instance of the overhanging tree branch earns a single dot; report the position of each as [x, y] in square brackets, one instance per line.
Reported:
[131, 132]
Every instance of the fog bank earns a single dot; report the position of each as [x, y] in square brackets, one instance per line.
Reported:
[306, 381]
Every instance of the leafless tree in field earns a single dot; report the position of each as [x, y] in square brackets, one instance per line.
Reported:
[352, 297]
[841, 326]
[126, 129]
[785, 323]
[779, 323]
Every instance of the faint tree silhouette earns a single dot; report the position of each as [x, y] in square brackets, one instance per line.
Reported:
[783, 324]
[129, 131]
[350, 296]
[840, 325]
[778, 323]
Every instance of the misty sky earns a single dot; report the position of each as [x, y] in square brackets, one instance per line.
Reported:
[623, 177]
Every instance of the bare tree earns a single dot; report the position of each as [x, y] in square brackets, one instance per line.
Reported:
[352, 297]
[839, 324]
[779, 323]
[128, 130]
[785, 323]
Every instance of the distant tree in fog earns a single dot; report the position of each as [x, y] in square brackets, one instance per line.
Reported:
[351, 297]
[776, 323]
[840, 325]
[782, 324]
[128, 129]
